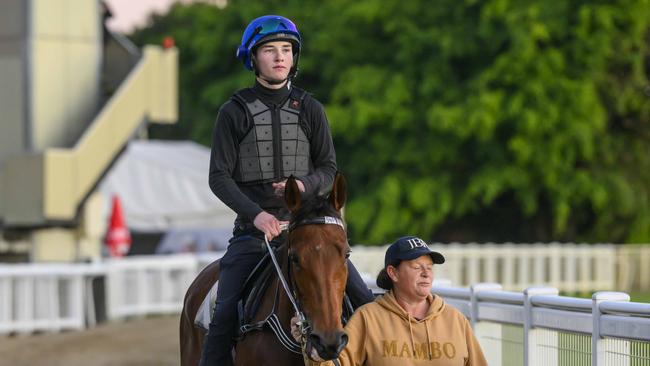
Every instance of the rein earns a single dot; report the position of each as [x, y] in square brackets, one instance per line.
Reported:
[303, 324]
[285, 285]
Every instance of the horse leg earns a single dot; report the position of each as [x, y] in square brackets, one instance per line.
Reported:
[191, 336]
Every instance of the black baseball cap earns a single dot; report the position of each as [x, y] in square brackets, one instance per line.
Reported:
[404, 249]
[410, 247]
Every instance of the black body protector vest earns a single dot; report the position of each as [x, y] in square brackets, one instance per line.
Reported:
[276, 146]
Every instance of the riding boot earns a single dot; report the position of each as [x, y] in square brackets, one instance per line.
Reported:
[357, 290]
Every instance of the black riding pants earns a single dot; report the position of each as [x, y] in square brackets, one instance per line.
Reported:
[243, 253]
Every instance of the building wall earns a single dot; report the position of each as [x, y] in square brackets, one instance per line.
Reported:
[54, 143]
[66, 52]
[50, 62]
[12, 77]
[12, 82]
[50, 70]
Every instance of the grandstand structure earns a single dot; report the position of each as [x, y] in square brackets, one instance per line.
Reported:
[73, 95]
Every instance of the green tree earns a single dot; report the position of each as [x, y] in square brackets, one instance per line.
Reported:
[476, 120]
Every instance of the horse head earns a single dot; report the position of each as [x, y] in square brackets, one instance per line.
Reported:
[318, 250]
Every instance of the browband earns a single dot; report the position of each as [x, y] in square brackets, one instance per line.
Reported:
[322, 220]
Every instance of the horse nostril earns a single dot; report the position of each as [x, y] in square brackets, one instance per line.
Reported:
[331, 348]
[316, 341]
[342, 342]
[314, 337]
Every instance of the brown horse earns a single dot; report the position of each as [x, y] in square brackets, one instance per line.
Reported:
[313, 261]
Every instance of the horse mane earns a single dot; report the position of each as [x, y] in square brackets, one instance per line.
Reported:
[317, 206]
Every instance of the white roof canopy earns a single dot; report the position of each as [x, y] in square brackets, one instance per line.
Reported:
[163, 185]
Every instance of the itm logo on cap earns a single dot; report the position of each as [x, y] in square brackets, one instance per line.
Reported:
[416, 243]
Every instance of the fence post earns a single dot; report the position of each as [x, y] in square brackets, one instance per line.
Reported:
[598, 346]
[554, 273]
[482, 330]
[473, 258]
[508, 278]
[6, 303]
[474, 289]
[529, 359]
[644, 271]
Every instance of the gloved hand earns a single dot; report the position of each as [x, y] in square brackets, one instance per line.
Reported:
[295, 328]
[295, 332]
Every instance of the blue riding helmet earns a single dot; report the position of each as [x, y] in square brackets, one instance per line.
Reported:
[265, 29]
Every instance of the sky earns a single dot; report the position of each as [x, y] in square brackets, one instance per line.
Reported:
[130, 14]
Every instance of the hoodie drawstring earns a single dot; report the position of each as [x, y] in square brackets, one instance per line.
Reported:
[411, 330]
[428, 340]
[428, 337]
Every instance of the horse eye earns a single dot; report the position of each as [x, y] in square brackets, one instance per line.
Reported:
[347, 254]
[294, 258]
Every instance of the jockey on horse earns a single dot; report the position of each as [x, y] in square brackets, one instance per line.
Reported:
[263, 135]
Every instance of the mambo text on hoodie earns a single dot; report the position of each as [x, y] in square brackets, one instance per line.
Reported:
[382, 333]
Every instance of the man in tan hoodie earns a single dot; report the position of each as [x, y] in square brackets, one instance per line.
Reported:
[408, 325]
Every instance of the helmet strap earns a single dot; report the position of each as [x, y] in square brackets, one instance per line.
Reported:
[273, 82]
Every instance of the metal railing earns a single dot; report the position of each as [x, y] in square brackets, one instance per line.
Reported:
[538, 327]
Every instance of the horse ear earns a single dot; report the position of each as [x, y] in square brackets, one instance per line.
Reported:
[292, 194]
[339, 192]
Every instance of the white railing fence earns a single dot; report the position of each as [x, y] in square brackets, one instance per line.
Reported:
[55, 297]
[142, 285]
[633, 267]
[148, 285]
[568, 267]
[538, 327]
[47, 297]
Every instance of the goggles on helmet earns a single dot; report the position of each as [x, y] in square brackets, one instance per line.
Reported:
[266, 29]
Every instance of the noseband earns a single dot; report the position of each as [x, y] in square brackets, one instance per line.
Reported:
[303, 325]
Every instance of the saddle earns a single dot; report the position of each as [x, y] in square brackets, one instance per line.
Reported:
[254, 288]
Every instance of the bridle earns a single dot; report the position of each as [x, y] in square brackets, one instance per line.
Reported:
[292, 292]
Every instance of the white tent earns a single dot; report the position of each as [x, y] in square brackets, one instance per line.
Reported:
[163, 186]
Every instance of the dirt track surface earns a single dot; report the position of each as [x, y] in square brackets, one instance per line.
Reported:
[144, 342]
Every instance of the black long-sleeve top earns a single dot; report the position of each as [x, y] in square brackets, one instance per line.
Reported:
[248, 200]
